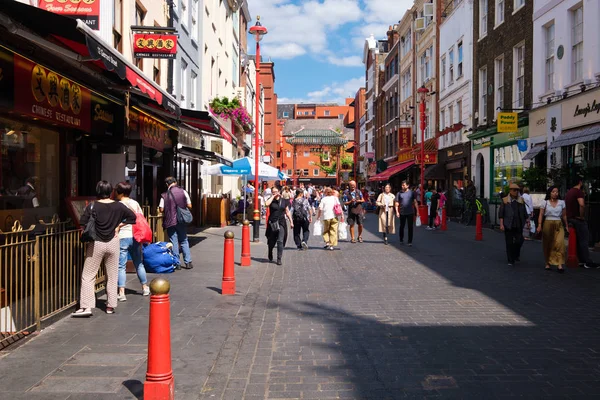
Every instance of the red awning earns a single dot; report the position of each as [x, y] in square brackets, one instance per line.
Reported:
[391, 171]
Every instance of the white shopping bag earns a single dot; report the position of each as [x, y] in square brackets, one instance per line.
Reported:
[532, 227]
[318, 228]
[418, 222]
[343, 231]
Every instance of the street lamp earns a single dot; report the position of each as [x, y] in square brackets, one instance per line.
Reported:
[423, 92]
[258, 31]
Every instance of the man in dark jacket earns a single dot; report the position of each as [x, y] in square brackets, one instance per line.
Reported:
[513, 217]
[171, 199]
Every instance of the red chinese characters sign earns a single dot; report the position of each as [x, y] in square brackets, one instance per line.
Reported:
[47, 95]
[404, 138]
[86, 10]
[405, 155]
[430, 157]
[151, 45]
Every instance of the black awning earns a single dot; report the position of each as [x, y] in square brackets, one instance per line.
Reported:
[575, 136]
[534, 151]
[436, 172]
[204, 155]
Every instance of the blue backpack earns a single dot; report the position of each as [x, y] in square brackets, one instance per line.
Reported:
[159, 259]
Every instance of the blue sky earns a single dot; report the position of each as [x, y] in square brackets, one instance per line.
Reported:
[317, 45]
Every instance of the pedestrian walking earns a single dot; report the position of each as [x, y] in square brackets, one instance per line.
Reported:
[174, 198]
[513, 217]
[276, 224]
[528, 230]
[128, 245]
[406, 207]
[353, 200]
[286, 201]
[434, 206]
[553, 214]
[331, 210]
[302, 217]
[387, 220]
[470, 197]
[575, 203]
[108, 217]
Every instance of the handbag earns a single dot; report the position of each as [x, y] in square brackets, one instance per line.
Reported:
[274, 225]
[337, 209]
[89, 232]
[184, 215]
[141, 229]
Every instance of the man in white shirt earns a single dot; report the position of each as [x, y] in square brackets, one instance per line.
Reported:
[527, 232]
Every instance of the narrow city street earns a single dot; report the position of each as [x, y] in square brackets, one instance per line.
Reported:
[445, 318]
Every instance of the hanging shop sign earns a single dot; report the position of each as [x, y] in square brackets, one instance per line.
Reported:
[581, 110]
[430, 157]
[154, 45]
[405, 155]
[507, 122]
[47, 95]
[405, 137]
[86, 10]
[152, 132]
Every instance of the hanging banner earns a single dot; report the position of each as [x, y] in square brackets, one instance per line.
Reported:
[86, 10]
[430, 158]
[404, 138]
[154, 45]
[44, 94]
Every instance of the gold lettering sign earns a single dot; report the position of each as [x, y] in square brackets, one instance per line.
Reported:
[103, 115]
[39, 83]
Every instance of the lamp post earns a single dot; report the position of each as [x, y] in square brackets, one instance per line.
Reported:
[258, 31]
[423, 92]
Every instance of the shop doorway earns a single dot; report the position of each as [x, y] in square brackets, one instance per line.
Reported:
[480, 178]
[152, 185]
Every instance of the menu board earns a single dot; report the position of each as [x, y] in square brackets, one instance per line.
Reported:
[77, 205]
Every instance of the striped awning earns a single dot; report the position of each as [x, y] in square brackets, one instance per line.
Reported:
[534, 151]
[575, 136]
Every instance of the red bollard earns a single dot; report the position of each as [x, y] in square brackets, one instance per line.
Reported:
[444, 218]
[246, 261]
[160, 383]
[478, 228]
[228, 284]
[423, 214]
[572, 261]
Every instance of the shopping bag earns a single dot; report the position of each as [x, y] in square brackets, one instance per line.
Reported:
[418, 221]
[531, 226]
[438, 220]
[318, 228]
[159, 258]
[141, 230]
[343, 231]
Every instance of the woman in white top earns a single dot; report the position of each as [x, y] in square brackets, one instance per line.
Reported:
[128, 245]
[553, 233]
[330, 219]
[387, 222]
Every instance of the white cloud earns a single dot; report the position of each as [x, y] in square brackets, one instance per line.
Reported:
[286, 51]
[336, 92]
[351, 61]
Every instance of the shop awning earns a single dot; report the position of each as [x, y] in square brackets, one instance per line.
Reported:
[435, 171]
[534, 151]
[391, 171]
[575, 136]
[204, 155]
[78, 37]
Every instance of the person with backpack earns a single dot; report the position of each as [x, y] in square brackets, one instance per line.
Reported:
[301, 215]
[353, 199]
[173, 204]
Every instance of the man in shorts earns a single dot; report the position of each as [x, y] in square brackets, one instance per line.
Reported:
[353, 199]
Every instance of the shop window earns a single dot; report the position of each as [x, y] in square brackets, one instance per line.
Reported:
[29, 173]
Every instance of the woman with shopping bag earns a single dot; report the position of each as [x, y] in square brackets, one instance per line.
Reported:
[551, 223]
[387, 220]
[332, 212]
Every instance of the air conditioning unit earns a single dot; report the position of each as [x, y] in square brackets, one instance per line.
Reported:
[419, 24]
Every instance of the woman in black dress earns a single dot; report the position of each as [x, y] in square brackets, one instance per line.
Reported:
[276, 225]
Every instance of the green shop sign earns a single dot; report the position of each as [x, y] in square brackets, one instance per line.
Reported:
[500, 139]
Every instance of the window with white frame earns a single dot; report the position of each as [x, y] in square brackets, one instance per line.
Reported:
[184, 83]
[286, 114]
[406, 85]
[442, 119]
[428, 130]
[443, 72]
[315, 171]
[577, 43]
[460, 60]
[482, 95]
[406, 43]
[459, 111]
[483, 17]
[450, 115]
[422, 68]
[194, 83]
[340, 116]
[451, 66]
[499, 12]
[195, 17]
[519, 76]
[549, 50]
[327, 113]
[307, 154]
[288, 153]
[518, 4]
[184, 13]
[499, 83]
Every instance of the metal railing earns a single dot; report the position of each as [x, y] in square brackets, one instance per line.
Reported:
[155, 222]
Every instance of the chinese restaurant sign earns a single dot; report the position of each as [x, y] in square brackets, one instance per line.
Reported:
[150, 45]
[405, 155]
[42, 93]
[86, 10]
[154, 133]
[404, 138]
[430, 157]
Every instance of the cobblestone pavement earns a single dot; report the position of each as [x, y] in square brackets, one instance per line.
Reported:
[446, 318]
